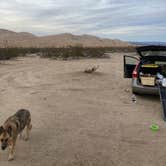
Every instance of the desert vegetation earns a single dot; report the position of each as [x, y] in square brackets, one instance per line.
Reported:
[64, 53]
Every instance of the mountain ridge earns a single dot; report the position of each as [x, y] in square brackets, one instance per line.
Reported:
[25, 39]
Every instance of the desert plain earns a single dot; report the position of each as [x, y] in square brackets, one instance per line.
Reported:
[80, 119]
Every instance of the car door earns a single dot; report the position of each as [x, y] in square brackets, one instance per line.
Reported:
[129, 64]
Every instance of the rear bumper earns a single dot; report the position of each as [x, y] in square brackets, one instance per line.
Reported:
[137, 88]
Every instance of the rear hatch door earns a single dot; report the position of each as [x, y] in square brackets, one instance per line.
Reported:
[146, 51]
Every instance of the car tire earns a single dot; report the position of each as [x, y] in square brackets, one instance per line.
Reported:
[136, 93]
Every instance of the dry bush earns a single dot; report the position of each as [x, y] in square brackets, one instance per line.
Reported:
[72, 53]
[64, 53]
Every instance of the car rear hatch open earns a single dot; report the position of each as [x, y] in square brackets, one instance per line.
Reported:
[151, 51]
[153, 63]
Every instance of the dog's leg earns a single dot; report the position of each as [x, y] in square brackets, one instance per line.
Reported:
[20, 136]
[11, 150]
[11, 153]
[28, 128]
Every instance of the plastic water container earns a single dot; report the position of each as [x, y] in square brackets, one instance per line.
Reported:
[159, 76]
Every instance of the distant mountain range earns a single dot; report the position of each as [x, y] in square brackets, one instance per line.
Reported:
[149, 43]
[24, 39]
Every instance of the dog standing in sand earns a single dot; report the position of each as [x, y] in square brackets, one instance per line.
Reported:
[13, 127]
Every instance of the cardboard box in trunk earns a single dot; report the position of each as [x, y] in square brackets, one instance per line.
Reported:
[148, 81]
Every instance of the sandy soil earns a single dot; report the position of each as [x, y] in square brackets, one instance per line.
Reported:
[80, 119]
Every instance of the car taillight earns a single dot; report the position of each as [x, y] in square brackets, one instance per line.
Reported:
[135, 73]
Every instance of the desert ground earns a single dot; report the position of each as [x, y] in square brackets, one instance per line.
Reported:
[80, 119]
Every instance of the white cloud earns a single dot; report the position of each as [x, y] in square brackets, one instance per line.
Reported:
[123, 19]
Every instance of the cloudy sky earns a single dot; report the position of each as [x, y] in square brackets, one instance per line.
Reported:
[132, 20]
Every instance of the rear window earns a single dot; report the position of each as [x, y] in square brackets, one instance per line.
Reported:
[160, 62]
[153, 53]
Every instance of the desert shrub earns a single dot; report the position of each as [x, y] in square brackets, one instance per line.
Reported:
[72, 52]
[53, 53]
[8, 53]
[65, 53]
[120, 49]
[77, 51]
[94, 52]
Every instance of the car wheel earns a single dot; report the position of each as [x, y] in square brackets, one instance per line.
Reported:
[136, 93]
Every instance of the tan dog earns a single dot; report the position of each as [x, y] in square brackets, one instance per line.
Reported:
[91, 70]
[12, 127]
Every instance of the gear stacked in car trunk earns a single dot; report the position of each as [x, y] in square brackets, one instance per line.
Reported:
[148, 74]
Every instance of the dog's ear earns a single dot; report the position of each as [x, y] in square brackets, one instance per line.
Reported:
[9, 130]
[1, 129]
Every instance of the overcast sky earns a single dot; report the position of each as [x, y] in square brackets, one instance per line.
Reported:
[132, 20]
